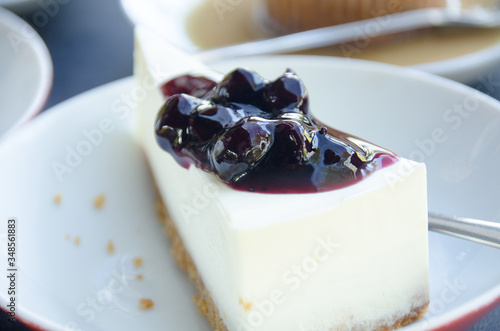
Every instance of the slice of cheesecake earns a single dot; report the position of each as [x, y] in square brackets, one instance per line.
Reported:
[355, 257]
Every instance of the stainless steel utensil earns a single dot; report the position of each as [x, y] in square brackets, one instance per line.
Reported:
[483, 232]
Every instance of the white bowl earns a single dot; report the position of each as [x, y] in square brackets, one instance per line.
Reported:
[26, 69]
[63, 284]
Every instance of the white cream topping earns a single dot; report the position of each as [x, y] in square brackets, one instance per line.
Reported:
[353, 258]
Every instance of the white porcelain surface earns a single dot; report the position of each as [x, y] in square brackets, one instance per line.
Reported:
[25, 72]
[60, 281]
[168, 18]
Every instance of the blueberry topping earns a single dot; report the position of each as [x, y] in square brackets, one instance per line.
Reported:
[192, 85]
[240, 86]
[259, 136]
[287, 94]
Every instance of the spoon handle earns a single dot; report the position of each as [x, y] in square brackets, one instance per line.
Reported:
[484, 232]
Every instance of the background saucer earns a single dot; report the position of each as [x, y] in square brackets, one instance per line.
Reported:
[462, 56]
[26, 69]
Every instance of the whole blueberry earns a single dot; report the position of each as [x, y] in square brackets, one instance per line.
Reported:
[240, 85]
[241, 148]
[287, 94]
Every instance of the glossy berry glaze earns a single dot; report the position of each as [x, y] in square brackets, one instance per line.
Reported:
[259, 136]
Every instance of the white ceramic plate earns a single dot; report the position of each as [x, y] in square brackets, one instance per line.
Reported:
[26, 72]
[169, 18]
[83, 148]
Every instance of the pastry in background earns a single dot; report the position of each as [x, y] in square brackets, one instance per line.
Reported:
[287, 16]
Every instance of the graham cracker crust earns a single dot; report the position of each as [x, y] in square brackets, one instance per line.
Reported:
[203, 299]
[413, 316]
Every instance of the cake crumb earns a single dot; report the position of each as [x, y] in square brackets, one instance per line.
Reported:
[139, 277]
[77, 240]
[146, 304]
[67, 237]
[138, 262]
[58, 198]
[110, 248]
[99, 201]
[247, 306]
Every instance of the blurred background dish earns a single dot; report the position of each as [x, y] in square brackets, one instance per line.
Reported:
[26, 72]
[462, 54]
[298, 15]
[19, 6]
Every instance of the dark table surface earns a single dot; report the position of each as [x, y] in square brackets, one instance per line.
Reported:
[91, 44]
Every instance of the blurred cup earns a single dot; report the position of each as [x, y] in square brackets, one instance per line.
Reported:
[26, 72]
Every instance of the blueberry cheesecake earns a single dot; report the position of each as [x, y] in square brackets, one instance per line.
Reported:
[282, 222]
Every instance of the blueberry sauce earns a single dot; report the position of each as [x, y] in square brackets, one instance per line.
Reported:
[259, 136]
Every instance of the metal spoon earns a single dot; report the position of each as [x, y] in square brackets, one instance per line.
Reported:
[484, 232]
[358, 31]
